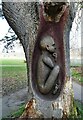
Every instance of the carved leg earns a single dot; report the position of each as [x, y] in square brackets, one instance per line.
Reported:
[50, 81]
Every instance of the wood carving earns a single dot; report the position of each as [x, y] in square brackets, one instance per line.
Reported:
[48, 71]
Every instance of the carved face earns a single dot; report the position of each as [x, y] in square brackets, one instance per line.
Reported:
[51, 47]
[48, 44]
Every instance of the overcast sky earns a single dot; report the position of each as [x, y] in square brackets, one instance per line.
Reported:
[18, 50]
[3, 27]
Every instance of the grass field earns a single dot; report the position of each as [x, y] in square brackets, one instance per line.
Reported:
[77, 74]
[14, 75]
[12, 62]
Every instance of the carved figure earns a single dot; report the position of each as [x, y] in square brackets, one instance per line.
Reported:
[48, 70]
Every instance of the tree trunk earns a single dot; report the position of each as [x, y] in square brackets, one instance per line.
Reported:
[24, 20]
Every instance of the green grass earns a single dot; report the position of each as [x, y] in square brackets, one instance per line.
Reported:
[11, 62]
[79, 107]
[13, 74]
[17, 113]
[77, 75]
[16, 72]
[76, 112]
[14, 78]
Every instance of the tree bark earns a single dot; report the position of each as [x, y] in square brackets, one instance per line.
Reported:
[24, 20]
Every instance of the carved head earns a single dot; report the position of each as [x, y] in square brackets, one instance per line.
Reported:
[47, 43]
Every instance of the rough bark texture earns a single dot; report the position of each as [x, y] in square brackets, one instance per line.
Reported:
[24, 19]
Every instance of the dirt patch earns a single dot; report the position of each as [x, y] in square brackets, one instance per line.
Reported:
[11, 85]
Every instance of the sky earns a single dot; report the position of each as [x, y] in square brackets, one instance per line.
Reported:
[18, 50]
[3, 28]
[75, 34]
